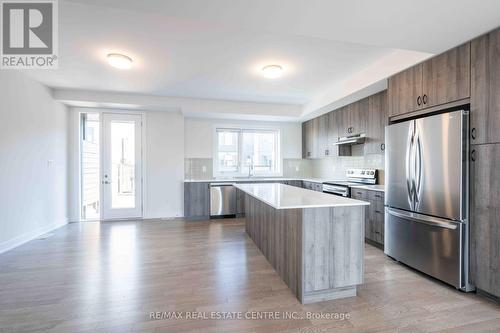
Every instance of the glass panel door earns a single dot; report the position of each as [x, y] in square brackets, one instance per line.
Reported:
[122, 166]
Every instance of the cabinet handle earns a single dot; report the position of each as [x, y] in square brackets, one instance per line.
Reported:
[473, 155]
[473, 133]
[382, 146]
[424, 99]
[419, 100]
[327, 152]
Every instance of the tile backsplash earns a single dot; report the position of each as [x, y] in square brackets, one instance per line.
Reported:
[333, 168]
[202, 168]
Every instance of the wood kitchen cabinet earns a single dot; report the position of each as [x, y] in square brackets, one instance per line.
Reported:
[485, 88]
[196, 200]
[353, 118]
[403, 91]
[310, 137]
[485, 222]
[333, 132]
[446, 77]
[374, 214]
[323, 144]
[377, 120]
[440, 80]
[314, 186]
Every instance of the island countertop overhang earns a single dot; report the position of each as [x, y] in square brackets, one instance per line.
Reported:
[281, 196]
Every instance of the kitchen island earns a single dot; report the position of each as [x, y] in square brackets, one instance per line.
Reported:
[315, 241]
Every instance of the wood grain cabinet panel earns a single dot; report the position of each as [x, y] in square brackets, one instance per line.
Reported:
[446, 77]
[377, 120]
[404, 90]
[323, 146]
[374, 214]
[485, 221]
[196, 201]
[485, 88]
[442, 79]
[333, 132]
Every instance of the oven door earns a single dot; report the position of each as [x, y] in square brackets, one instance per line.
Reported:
[336, 190]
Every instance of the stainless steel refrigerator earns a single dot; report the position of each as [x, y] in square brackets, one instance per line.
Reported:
[427, 180]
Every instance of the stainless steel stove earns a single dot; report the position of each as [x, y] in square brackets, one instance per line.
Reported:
[354, 177]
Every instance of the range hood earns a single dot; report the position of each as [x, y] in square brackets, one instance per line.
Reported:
[351, 140]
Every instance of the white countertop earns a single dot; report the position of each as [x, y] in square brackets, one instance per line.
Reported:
[282, 196]
[379, 188]
[252, 179]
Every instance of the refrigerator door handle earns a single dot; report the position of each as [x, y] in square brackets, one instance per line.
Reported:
[409, 168]
[418, 166]
[429, 220]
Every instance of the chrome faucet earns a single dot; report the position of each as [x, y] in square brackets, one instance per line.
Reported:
[250, 169]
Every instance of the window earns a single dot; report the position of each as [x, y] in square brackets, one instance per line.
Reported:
[247, 151]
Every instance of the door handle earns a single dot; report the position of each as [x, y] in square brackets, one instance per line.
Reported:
[473, 155]
[106, 182]
[409, 167]
[418, 165]
[429, 220]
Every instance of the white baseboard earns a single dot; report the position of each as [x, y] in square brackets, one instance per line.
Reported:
[24, 238]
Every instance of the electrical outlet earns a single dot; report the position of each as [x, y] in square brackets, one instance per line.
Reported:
[297, 168]
[204, 169]
[50, 163]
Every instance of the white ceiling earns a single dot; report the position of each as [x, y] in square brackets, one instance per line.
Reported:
[215, 49]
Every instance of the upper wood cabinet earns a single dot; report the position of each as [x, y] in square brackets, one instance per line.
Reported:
[404, 91]
[377, 120]
[439, 80]
[446, 77]
[310, 136]
[485, 88]
[323, 146]
[333, 132]
[352, 118]
[365, 116]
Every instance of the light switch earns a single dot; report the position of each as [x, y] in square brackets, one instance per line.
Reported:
[297, 168]
[50, 163]
[204, 169]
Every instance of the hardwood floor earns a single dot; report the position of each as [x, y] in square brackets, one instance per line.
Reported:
[108, 277]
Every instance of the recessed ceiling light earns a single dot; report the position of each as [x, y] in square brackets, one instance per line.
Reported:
[272, 71]
[119, 61]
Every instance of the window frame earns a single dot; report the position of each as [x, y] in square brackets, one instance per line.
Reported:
[241, 171]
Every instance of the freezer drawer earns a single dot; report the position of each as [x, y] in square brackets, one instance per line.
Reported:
[428, 244]
[222, 199]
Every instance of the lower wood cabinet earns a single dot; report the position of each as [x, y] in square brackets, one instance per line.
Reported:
[485, 218]
[374, 214]
[312, 186]
[196, 200]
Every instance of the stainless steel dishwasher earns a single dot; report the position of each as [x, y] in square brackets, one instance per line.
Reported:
[222, 200]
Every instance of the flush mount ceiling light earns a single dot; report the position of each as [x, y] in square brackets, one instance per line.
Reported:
[272, 71]
[119, 61]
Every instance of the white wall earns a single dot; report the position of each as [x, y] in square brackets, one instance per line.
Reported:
[33, 160]
[164, 150]
[199, 135]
